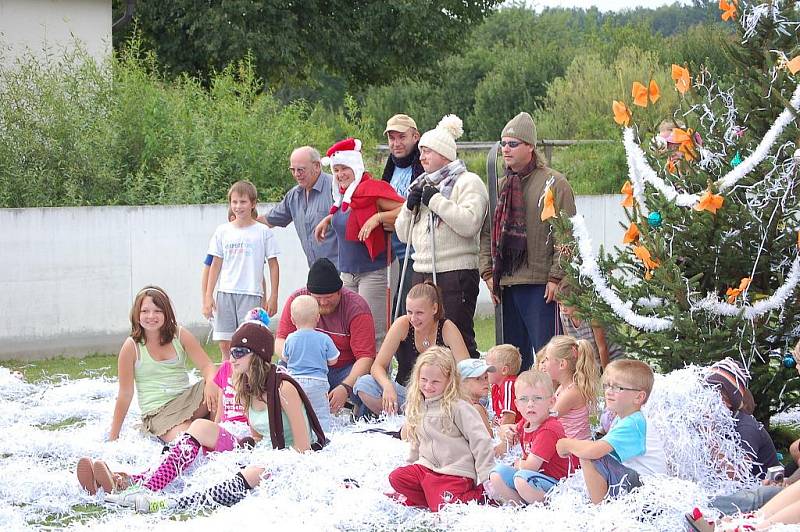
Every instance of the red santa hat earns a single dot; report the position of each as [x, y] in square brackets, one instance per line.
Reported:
[347, 153]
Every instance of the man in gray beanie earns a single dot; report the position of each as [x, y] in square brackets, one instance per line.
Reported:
[345, 317]
[519, 259]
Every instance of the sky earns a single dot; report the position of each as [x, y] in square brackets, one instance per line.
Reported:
[603, 5]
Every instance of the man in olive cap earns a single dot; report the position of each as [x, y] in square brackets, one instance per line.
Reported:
[345, 317]
[519, 259]
[402, 168]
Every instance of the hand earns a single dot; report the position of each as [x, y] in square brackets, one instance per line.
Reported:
[208, 307]
[368, 227]
[428, 193]
[112, 436]
[211, 394]
[490, 285]
[550, 292]
[414, 198]
[322, 229]
[562, 447]
[336, 398]
[390, 400]
[388, 227]
[272, 305]
[508, 433]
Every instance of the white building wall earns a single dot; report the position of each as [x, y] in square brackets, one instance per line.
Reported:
[68, 275]
[45, 27]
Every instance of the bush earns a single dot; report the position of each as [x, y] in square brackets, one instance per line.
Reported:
[74, 133]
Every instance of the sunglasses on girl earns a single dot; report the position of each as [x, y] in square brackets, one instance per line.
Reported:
[510, 143]
[240, 352]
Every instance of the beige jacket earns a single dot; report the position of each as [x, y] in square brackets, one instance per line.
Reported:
[459, 446]
[457, 234]
[543, 260]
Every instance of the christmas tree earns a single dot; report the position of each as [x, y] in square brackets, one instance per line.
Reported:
[709, 264]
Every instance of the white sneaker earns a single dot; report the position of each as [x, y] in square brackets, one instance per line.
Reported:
[143, 501]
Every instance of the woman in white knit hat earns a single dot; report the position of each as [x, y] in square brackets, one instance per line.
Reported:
[459, 201]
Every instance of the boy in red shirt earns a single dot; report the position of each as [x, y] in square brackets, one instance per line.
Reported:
[507, 360]
[540, 467]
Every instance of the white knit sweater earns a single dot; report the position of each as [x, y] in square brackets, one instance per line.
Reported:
[458, 231]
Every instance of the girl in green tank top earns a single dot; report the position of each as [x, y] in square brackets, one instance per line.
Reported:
[153, 361]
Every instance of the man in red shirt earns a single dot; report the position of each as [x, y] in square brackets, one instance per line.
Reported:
[345, 317]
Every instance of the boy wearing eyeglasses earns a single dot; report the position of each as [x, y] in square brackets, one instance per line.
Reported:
[631, 448]
[540, 467]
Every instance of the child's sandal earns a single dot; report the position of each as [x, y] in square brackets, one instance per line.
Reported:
[85, 473]
[697, 522]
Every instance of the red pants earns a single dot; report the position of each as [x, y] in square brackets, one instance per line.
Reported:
[423, 487]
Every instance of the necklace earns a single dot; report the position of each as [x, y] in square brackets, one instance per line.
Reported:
[425, 343]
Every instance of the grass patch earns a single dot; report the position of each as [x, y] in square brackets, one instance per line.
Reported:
[81, 513]
[58, 425]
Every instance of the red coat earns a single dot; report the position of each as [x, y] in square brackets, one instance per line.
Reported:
[365, 204]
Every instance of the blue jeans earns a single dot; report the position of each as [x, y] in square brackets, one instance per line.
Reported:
[337, 375]
[536, 479]
[528, 322]
[368, 385]
[745, 501]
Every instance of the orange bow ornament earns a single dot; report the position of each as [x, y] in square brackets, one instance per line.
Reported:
[549, 209]
[728, 9]
[627, 189]
[631, 235]
[710, 202]
[685, 143]
[681, 77]
[794, 65]
[733, 293]
[650, 264]
[641, 93]
[622, 115]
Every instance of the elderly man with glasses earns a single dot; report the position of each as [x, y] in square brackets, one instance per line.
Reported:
[519, 258]
[306, 205]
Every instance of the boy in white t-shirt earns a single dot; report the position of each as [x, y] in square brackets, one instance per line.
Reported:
[240, 248]
[632, 447]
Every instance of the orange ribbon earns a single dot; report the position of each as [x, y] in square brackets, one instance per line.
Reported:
[685, 142]
[733, 293]
[641, 93]
[682, 79]
[794, 65]
[631, 235]
[549, 209]
[622, 115]
[710, 202]
[728, 9]
[627, 189]
[649, 263]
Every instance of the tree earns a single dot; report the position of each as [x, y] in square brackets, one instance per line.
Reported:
[363, 41]
[711, 266]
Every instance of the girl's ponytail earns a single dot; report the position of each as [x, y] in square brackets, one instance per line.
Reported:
[587, 373]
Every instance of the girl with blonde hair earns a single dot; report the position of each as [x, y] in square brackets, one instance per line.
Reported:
[572, 365]
[451, 453]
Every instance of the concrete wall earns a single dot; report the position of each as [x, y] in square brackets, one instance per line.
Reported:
[68, 275]
[49, 26]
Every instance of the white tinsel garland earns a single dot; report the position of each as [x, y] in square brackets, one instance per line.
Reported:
[641, 172]
[590, 268]
[712, 304]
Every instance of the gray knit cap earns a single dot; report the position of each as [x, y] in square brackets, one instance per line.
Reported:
[521, 127]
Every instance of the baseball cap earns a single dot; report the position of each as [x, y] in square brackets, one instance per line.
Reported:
[400, 123]
[474, 367]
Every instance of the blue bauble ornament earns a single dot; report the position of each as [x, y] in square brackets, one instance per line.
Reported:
[737, 160]
[654, 219]
[789, 362]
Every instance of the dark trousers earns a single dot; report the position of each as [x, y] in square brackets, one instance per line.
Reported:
[401, 292]
[528, 322]
[459, 295]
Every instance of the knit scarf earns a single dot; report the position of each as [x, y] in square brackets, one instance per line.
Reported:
[444, 179]
[274, 380]
[412, 160]
[509, 233]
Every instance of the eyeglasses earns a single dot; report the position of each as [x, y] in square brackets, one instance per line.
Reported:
[510, 143]
[616, 388]
[523, 399]
[240, 352]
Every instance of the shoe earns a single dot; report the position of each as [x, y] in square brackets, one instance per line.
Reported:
[697, 522]
[143, 501]
[85, 473]
[109, 481]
